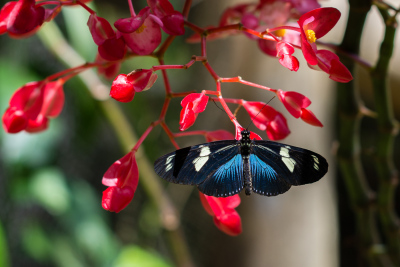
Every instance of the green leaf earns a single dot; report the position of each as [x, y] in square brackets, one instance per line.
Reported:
[49, 188]
[134, 256]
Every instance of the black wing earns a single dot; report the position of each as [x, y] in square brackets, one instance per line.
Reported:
[216, 167]
[275, 167]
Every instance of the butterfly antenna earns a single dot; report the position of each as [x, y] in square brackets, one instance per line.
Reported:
[259, 113]
[217, 105]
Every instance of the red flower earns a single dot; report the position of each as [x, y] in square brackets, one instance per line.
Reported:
[296, 104]
[314, 25]
[32, 105]
[124, 86]
[21, 18]
[223, 210]
[329, 62]
[141, 33]
[219, 135]
[122, 178]
[192, 105]
[25, 105]
[172, 20]
[284, 53]
[268, 119]
[111, 46]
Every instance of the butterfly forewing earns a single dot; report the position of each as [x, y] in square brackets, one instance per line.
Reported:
[193, 165]
[293, 165]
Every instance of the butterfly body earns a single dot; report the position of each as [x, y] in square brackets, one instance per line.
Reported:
[224, 168]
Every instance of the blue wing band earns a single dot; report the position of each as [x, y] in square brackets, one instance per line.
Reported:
[265, 180]
[227, 180]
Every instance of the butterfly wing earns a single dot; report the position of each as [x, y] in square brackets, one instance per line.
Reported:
[216, 167]
[275, 167]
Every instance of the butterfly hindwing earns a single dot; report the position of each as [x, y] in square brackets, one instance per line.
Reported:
[193, 165]
[267, 178]
[226, 180]
[292, 165]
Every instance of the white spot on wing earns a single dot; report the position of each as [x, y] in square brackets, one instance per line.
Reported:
[316, 162]
[289, 162]
[169, 167]
[199, 163]
[205, 151]
[202, 159]
[168, 161]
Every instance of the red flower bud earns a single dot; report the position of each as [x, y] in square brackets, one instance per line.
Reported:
[269, 120]
[14, 120]
[122, 177]
[192, 105]
[124, 86]
[284, 53]
[223, 211]
[296, 104]
[22, 18]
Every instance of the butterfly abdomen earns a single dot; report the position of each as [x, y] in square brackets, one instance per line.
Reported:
[247, 175]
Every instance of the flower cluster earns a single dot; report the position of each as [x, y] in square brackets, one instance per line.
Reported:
[271, 23]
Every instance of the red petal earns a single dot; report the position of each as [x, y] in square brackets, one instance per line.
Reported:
[5, 14]
[289, 62]
[129, 25]
[187, 117]
[324, 20]
[100, 29]
[116, 199]
[198, 100]
[293, 102]
[112, 49]
[260, 113]
[278, 129]
[339, 72]
[145, 41]
[284, 48]
[206, 205]
[142, 79]
[173, 24]
[122, 89]
[230, 202]
[230, 223]
[53, 100]
[310, 118]
[308, 50]
[29, 98]
[40, 124]
[14, 120]
[25, 17]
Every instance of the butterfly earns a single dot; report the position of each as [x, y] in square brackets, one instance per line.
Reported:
[224, 168]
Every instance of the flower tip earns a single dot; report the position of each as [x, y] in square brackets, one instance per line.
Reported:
[116, 199]
[14, 121]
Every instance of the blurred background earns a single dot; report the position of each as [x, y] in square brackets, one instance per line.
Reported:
[50, 183]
